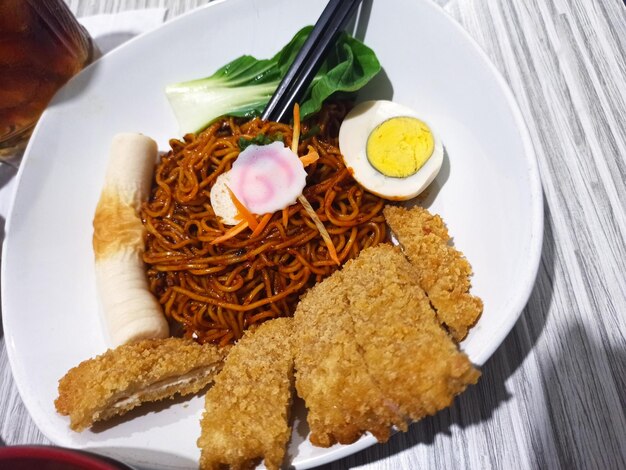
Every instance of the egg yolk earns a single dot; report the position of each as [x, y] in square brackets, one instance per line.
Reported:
[399, 146]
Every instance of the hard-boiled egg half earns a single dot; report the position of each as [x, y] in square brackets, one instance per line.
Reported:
[390, 151]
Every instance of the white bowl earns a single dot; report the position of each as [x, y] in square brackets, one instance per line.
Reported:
[488, 193]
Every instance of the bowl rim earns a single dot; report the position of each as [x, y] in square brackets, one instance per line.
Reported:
[527, 281]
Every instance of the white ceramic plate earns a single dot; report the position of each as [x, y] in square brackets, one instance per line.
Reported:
[488, 193]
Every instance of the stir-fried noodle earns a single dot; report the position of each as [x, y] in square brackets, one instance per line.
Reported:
[216, 291]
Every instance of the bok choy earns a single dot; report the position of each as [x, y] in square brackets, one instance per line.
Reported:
[243, 87]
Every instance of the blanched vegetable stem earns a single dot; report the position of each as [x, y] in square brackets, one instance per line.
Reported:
[244, 86]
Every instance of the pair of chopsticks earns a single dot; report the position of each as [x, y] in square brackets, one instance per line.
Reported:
[309, 59]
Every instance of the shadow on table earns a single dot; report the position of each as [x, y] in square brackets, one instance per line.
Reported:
[479, 402]
[7, 173]
[2, 222]
[585, 402]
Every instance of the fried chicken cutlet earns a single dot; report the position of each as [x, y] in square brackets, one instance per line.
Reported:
[247, 409]
[443, 272]
[129, 375]
[411, 357]
[342, 399]
[402, 363]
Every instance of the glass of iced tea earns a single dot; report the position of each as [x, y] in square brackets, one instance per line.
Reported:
[41, 47]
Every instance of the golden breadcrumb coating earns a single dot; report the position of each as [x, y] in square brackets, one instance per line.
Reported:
[123, 378]
[443, 272]
[413, 360]
[370, 351]
[342, 399]
[247, 409]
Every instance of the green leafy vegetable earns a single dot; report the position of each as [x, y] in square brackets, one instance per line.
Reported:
[313, 131]
[260, 139]
[244, 86]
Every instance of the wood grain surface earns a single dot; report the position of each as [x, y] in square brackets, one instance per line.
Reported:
[554, 394]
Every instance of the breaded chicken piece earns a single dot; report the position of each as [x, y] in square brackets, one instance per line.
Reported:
[443, 272]
[247, 409]
[370, 351]
[129, 375]
[342, 399]
[413, 360]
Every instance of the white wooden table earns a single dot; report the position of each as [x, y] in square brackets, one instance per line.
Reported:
[554, 394]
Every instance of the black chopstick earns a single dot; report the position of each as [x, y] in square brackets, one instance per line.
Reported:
[303, 55]
[309, 59]
[299, 76]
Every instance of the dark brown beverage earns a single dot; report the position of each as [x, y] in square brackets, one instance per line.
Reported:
[41, 47]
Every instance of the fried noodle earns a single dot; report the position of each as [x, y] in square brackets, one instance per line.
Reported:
[216, 291]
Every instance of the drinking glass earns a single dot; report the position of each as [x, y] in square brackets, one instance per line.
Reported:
[41, 47]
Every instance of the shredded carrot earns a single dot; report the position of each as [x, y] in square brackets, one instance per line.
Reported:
[264, 221]
[285, 217]
[240, 227]
[310, 157]
[296, 128]
[243, 211]
[332, 251]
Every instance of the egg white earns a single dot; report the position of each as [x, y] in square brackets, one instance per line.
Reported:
[353, 134]
[221, 201]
